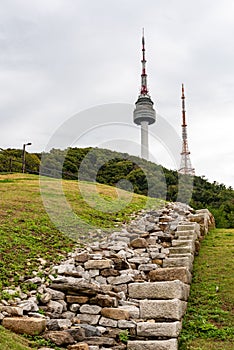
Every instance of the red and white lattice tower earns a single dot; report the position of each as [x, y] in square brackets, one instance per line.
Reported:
[185, 164]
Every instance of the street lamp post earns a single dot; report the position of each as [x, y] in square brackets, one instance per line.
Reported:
[24, 155]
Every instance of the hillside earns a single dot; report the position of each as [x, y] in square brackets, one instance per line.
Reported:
[141, 176]
[27, 233]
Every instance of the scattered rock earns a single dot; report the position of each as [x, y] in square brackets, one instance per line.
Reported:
[58, 324]
[98, 264]
[80, 346]
[114, 313]
[77, 299]
[139, 243]
[60, 338]
[90, 309]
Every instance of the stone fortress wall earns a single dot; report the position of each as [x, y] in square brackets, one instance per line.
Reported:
[128, 291]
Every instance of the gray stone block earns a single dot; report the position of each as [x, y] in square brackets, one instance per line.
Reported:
[25, 325]
[172, 309]
[108, 322]
[181, 250]
[133, 310]
[171, 274]
[159, 290]
[186, 238]
[98, 264]
[58, 324]
[88, 318]
[188, 233]
[186, 226]
[90, 309]
[170, 344]
[188, 255]
[178, 262]
[123, 324]
[124, 278]
[162, 329]
[183, 243]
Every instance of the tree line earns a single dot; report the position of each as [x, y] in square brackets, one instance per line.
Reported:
[129, 173]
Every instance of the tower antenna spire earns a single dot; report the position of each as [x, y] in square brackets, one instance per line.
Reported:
[144, 89]
[185, 165]
[183, 108]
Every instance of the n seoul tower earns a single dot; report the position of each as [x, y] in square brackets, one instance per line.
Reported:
[144, 113]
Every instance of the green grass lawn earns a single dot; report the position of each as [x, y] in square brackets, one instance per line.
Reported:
[209, 320]
[27, 233]
[11, 341]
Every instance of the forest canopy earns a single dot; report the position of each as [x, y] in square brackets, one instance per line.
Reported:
[141, 176]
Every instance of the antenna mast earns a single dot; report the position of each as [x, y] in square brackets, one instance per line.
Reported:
[144, 89]
[185, 165]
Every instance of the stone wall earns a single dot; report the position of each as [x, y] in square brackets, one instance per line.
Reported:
[128, 291]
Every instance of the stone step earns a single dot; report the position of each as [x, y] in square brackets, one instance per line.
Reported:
[170, 344]
[190, 226]
[186, 226]
[178, 256]
[182, 242]
[177, 262]
[185, 233]
[170, 274]
[159, 290]
[162, 329]
[171, 310]
[182, 250]
[185, 239]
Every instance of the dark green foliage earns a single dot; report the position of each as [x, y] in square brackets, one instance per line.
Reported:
[11, 161]
[217, 198]
[147, 178]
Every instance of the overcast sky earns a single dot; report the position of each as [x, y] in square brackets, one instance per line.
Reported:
[62, 57]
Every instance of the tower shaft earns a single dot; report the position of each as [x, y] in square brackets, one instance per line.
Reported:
[144, 114]
[185, 164]
[144, 140]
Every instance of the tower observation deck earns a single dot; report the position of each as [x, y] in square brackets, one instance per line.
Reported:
[144, 113]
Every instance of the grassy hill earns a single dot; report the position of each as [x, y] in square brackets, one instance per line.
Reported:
[27, 233]
[146, 178]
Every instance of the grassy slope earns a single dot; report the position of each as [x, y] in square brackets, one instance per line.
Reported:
[209, 321]
[11, 341]
[27, 233]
